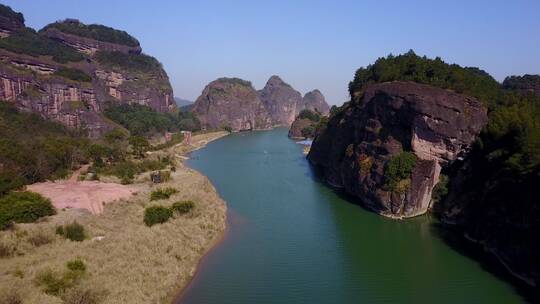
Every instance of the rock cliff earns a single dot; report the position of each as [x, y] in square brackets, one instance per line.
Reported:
[280, 100]
[10, 21]
[231, 103]
[375, 129]
[314, 101]
[72, 79]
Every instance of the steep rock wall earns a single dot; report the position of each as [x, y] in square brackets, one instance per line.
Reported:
[436, 125]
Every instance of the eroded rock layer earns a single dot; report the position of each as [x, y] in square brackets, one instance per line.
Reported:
[75, 89]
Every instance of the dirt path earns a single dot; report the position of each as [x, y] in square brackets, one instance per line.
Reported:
[89, 195]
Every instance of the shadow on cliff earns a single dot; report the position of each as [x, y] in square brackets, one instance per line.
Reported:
[454, 238]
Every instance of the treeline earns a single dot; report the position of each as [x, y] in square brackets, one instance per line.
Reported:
[141, 120]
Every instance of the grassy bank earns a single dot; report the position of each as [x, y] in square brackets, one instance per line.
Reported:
[125, 260]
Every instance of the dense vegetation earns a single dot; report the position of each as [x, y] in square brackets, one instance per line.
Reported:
[73, 74]
[94, 31]
[187, 121]
[28, 42]
[130, 62]
[140, 119]
[6, 11]
[23, 207]
[54, 283]
[525, 82]
[33, 149]
[398, 171]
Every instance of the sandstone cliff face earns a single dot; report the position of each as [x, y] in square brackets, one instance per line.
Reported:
[436, 125]
[231, 102]
[314, 101]
[35, 84]
[280, 100]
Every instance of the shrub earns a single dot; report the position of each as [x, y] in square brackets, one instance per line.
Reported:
[349, 151]
[73, 232]
[76, 265]
[82, 295]
[139, 119]
[164, 193]
[23, 207]
[440, 190]
[52, 282]
[182, 207]
[399, 168]
[39, 238]
[5, 250]
[156, 215]
[33, 149]
[10, 297]
[73, 74]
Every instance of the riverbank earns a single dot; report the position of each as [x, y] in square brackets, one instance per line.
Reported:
[126, 261]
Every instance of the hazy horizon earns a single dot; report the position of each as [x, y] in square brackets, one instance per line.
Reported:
[309, 44]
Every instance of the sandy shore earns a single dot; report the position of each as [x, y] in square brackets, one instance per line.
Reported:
[127, 262]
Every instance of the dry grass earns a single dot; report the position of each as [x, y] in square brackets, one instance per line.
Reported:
[129, 262]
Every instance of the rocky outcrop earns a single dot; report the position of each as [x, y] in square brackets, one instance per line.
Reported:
[83, 44]
[231, 103]
[314, 101]
[280, 100]
[43, 86]
[10, 21]
[437, 125]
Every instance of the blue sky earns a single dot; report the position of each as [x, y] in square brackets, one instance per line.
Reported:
[310, 44]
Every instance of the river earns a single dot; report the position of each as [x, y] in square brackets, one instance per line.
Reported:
[291, 239]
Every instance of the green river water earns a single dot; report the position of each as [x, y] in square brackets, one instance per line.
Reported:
[291, 239]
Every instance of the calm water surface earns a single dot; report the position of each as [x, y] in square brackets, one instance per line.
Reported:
[292, 240]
